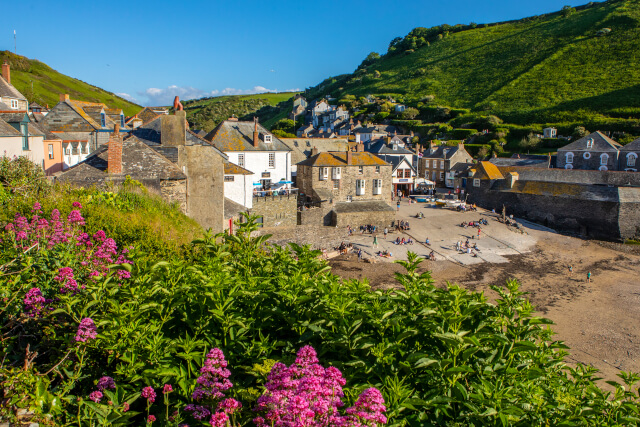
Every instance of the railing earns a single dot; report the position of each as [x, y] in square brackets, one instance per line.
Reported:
[291, 192]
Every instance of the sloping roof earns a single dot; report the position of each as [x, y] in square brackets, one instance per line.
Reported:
[233, 169]
[380, 146]
[15, 117]
[632, 146]
[72, 136]
[461, 167]
[238, 136]
[377, 129]
[539, 161]
[8, 90]
[396, 161]
[362, 206]
[7, 130]
[301, 147]
[340, 159]
[232, 209]
[442, 152]
[48, 135]
[488, 170]
[601, 142]
[147, 114]
[59, 119]
[138, 160]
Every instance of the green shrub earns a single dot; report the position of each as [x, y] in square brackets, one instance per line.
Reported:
[462, 133]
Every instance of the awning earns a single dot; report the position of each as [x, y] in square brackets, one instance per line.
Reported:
[257, 184]
[424, 181]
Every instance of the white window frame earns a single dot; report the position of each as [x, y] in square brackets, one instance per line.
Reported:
[377, 169]
[272, 160]
[67, 149]
[631, 159]
[349, 198]
[324, 174]
[336, 173]
[336, 184]
[568, 158]
[590, 143]
[229, 178]
[604, 159]
[14, 104]
[84, 148]
[50, 151]
[441, 164]
[360, 170]
[476, 182]
[268, 139]
[377, 186]
[360, 187]
[241, 160]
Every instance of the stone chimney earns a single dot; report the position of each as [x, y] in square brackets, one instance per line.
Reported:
[256, 135]
[114, 153]
[512, 177]
[6, 71]
[173, 129]
[358, 138]
[349, 157]
[64, 97]
[314, 151]
[360, 147]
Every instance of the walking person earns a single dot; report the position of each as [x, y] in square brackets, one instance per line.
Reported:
[398, 205]
[386, 231]
[375, 241]
[570, 270]
[479, 233]
[589, 277]
[359, 254]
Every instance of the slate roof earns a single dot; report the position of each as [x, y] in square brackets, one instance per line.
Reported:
[461, 167]
[138, 160]
[48, 135]
[396, 161]
[238, 136]
[72, 136]
[8, 90]
[7, 130]
[377, 129]
[301, 147]
[14, 117]
[601, 142]
[233, 169]
[340, 159]
[147, 114]
[232, 209]
[523, 160]
[362, 206]
[442, 152]
[632, 146]
[380, 146]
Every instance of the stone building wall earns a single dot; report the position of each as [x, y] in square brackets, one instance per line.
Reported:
[175, 192]
[629, 214]
[276, 210]
[590, 163]
[355, 219]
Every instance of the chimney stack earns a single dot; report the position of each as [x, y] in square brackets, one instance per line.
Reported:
[349, 157]
[114, 154]
[314, 151]
[360, 147]
[256, 135]
[6, 71]
[173, 129]
[64, 97]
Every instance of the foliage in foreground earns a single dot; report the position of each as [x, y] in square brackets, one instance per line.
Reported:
[439, 356]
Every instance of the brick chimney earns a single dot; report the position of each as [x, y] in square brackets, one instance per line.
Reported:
[360, 147]
[6, 71]
[114, 154]
[64, 97]
[314, 151]
[256, 135]
[349, 157]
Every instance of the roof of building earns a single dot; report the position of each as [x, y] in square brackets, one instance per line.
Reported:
[362, 206]
[380, 146]
[601, 142]
[7, 130]
[488, 170]
[537, 161]
[396, 161]
[377, 129]
[340, 159]
[238, 136]
[147, 114]
[461, 167]
[138, 160]
[632, 146]
[48, 135]
[233, 169]
[17, 117]
[443, 152]
[8, 90]
[232, 209]
[301, 147]
[72, 136]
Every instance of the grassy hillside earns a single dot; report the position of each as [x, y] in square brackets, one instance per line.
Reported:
[207, 113]
[549, 69]
[48, 84]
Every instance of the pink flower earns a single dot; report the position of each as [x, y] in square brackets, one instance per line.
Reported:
[76, 205]
[151, 418]
[219, 419]
[96, 396]
[306, 356]
[149, 393]
[125, 407]
[75, 217]
[86, 330]
[214, 379]
[106, 383]
[36, 208]
[229, 406]
[369, 407]
[167, 389]
[34, 302]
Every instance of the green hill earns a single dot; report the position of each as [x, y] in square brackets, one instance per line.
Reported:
[561, 68]
[207, 113]
[42, 84]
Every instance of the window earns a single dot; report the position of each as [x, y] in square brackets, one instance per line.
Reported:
[441, 176]
[476, 182]
[360, 170]
[272, 160]
[336, 184]
[121, 120]
[67, 150]
[336, 173]
[349, 198]
[590, 143]
[241, 160]
[74, 148]
[84, 148]
[568, 166]
[631, 159]
[360, 187]
[103, 120]
[604, 158]
[569, 158]
[324, 174]
[229, 178]
[441, 164]
[377, 186]
[603, 168]
[14, 104]
[395, 147]
[586, 155]
[51, 151]
[295, 143]
[399, 174]
[377, 169]
[25, 136]
[267, 139]
[407, 173]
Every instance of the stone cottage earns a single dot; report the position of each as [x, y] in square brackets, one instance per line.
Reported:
[438, 163]
[629, 156]
[12, 99]
[595, 151]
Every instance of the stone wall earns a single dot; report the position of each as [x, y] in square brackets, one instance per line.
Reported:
[276, 210]
[175, 192]
[615, 178]
[356, 219]
[591, 163]
[315, 216]
[629, 214]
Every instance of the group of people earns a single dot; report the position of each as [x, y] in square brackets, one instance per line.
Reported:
[464, 208]
[402, 241]
[476, 224]
[468, 248]
[384, 254]
[403, 225]
[343, 248]
[368, 228]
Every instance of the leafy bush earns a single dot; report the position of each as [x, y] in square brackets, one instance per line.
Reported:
[462, 133]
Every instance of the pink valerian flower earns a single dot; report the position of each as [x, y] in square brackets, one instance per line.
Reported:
[96, 396]
[75, 217]
[219, 419]
[197, 411]
[151, 418]
[149, 394]
[34, 302]
[213, 380]
[86, 330]
[66, 277]
[229, 406]
[167, 389]
[37, 208]
[369, 408]
[125, 407]
[306, 356]
[76, 205]
[106, 383]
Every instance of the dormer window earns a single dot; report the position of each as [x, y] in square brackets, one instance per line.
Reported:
[395, 147]
[590, 143]
[14, 104]
[103, 120]
[121, 120]
[267, 139]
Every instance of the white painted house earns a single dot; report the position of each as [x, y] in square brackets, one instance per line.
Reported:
[21, 138]
[252, 147]
[238, 185]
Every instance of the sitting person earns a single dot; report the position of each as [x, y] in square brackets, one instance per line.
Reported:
[426, 242]
[397, 240]
[409, 241]
[403, 242]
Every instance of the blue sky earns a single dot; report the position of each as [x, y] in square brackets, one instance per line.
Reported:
[153, 50]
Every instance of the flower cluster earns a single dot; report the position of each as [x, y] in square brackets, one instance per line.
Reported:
[96, 396]
[306, 394]
[149, 393]
[86, 330]
[34, 302]
[106, 383]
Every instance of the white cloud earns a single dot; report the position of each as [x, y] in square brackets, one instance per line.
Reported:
[128, 97]
[157, 97]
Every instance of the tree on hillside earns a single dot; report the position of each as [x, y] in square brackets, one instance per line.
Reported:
[567, 11]
[579, 132]
[410, 113]
[529, 142]
[286, 125]
[394, 44]
[370, 59]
